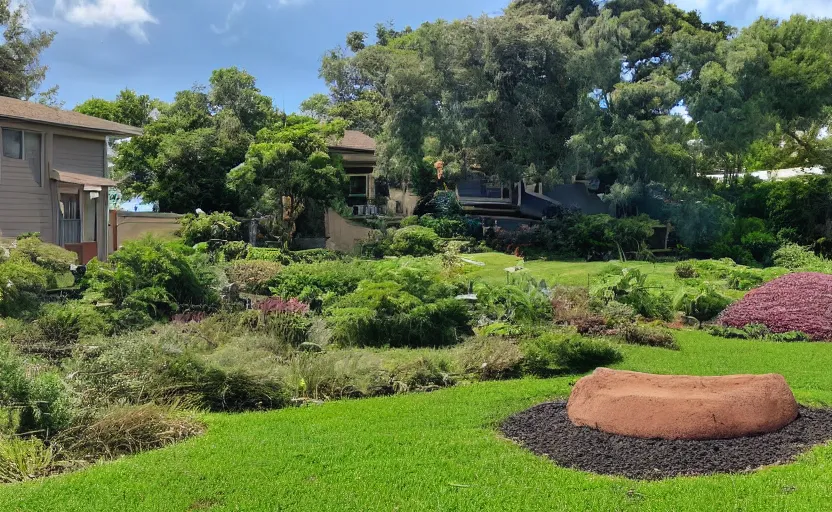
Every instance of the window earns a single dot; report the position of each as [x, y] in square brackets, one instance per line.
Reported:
[358, 185]
[13, 144]
[32, 152]
[27, 146]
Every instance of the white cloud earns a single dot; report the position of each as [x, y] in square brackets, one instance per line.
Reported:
[131, 15]
[756, 8]
[236, 8]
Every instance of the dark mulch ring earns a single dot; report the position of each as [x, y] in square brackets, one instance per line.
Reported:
[546, 430]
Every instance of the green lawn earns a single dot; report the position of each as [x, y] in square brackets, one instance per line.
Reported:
[439, 451]
[564, 272]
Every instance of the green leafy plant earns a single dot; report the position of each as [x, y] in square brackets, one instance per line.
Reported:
[206, 227]
[25, 459]
[703, 303]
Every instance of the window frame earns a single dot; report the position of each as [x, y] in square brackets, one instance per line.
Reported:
[22, 143]
[22, 158]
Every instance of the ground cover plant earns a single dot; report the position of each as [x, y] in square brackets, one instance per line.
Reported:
[795, 302]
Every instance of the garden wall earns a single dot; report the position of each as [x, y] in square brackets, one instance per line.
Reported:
[126, 226]
[343, 235]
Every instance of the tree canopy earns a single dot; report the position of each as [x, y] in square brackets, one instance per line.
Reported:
[21, 73]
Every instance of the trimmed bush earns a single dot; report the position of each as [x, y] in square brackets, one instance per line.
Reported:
[414, 241]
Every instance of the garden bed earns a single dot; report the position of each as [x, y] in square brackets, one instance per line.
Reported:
[546, 430]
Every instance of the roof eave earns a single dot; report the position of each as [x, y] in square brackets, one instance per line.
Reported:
[126, 131]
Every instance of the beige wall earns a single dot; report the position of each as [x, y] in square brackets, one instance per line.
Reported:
[25, 206]
[407, 200]
[137, 225]
[343, 235]
[82, 156]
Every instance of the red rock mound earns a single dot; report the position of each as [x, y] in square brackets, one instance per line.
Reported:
[794, 302]
[679, 407]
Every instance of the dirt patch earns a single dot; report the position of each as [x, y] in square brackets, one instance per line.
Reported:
[682, 407]
[546, 430]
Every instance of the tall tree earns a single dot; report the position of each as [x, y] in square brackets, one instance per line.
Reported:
[21, 73]
[128, 108]
[773, 80]
[287, 168]
[183, 158]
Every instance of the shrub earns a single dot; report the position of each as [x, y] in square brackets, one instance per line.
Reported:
[151, 279]
[551, 354]
[233, 251]
[279, 305]
[489, 358]
[796, 257]
[147, 366]
[649, 336]
[384, 314]
[686, 270]
[62, 325]
[252, 276]
[272, 255]
[445, 227]
[319, 281]
[760, 244]
[25, 459]
[616, 314]
[335, 374]
[204, 227]
[414, 241]
[413, 220]
[23, 284]
[47, 256]
[703, 303]
[126, 430]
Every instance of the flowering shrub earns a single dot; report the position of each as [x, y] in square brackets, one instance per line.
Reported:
[278, 305]
[795, 302]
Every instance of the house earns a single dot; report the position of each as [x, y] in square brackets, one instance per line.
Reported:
[54, 178]
[358, 152]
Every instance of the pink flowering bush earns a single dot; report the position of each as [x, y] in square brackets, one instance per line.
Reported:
[795, 302]
[278, 305]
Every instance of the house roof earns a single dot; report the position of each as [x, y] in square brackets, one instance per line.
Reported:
[355, 141]
[11, 108]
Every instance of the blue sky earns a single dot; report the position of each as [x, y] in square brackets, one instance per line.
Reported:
[158, 47]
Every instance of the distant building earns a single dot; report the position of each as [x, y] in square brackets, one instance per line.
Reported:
[777, 175]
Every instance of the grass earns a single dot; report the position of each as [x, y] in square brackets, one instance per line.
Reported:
[439, 451]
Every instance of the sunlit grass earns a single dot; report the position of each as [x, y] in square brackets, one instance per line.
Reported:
[439, 451]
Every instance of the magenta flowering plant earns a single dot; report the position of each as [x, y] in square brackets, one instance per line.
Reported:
[795, 302]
